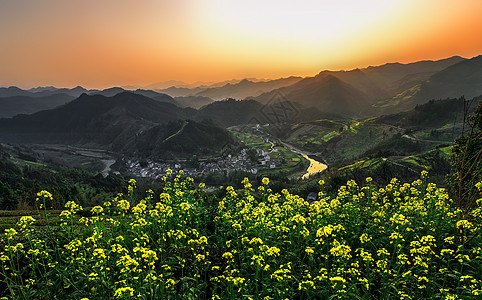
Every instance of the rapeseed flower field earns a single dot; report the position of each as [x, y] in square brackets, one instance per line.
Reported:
[400, 241]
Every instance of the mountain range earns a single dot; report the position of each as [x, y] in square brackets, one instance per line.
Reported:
[246, 88]
[374, 90]
[15, 105]
[361, 92]
[15, 101]
[148, 123]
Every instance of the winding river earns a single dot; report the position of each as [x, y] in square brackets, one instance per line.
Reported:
[315, 166]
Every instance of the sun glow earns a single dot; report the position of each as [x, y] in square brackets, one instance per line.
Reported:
[106, 43]
[310, 23]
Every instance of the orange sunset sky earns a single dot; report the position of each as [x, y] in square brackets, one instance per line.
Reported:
[104, 43]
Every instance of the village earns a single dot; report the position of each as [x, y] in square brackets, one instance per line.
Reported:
[224, 165]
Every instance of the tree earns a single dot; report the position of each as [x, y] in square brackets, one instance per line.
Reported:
[467, 160]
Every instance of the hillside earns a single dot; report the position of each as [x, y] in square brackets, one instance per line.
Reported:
[230, 112]
[195, 102]
[14, 105]
[246, 88]
[421, 129]
[388, 75]
[113, 123]
[95, 118]
[352, 93]
[361, 81]
[461, 79]
[155, 95]
[324, 92]
[179, 139]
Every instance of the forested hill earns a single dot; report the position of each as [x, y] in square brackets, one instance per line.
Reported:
[117, 123]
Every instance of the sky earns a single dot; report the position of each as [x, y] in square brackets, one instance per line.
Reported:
[105, 43]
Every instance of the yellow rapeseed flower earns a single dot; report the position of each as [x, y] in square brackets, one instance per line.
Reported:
[124, 290]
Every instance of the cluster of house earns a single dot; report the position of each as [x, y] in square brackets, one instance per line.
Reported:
[224, 165]
[265, 159]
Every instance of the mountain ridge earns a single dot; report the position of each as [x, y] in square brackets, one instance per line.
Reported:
[117, 123]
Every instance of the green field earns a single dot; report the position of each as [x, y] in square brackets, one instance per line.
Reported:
[291, 162]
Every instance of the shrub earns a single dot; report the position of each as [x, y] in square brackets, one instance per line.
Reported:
[403, 240]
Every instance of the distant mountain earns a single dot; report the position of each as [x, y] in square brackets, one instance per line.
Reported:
[147, 93]
[166, 84]
[14, 91]
[246, 88]
[15, 105]
[155, 95]
[116, 123]
[324, 92]
[130, 87]
[180, 84]
[351, 93]
[42, 98]
[193, 101]
[237, 89]
[41, 91]
[107, 92]
[181, 91]
[385, 81]
[359, 80]
[384, 89]
[230, 112]
[461, 79]
[74, 92]
[387, 75]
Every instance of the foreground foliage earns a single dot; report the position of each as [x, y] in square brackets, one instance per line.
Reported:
[467, 161]
[404, 240]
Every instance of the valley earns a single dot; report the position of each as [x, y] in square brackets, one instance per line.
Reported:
[375, 121]
[276, 167]
[244, 150]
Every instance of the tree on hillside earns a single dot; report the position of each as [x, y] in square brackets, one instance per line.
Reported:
[467, 160]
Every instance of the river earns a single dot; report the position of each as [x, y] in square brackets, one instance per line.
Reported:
[315, 166]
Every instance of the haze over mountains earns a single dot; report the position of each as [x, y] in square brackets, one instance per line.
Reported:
[146, 123]
[360, 92]
[354, 92]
